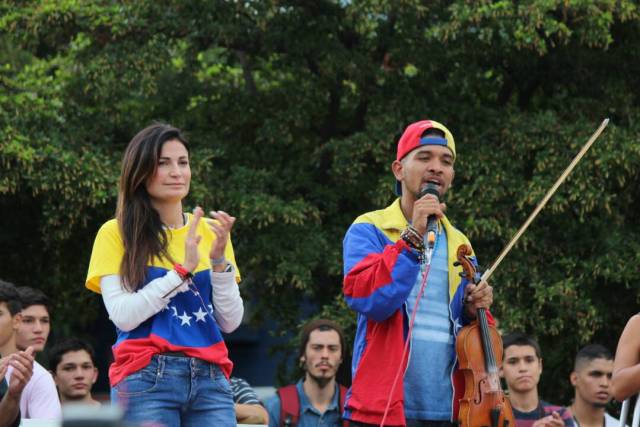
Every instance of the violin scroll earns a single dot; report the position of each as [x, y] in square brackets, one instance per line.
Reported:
[469, 271]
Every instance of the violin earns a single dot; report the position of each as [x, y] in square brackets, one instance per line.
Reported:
[479, 350]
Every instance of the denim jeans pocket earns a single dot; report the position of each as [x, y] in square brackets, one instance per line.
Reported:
[140, 382]
[222, 384]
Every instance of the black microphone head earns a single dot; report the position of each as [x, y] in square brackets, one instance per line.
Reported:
[429, 188]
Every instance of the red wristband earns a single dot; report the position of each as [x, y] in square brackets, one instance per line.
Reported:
[182, 272]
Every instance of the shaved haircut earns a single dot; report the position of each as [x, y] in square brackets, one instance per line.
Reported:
[589, 353]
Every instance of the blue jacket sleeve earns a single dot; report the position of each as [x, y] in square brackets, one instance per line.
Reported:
[378, 273]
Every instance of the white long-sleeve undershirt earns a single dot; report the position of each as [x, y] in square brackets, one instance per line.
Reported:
[226, 299]
[127, 310]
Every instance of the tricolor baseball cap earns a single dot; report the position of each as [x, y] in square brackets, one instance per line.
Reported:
[412, 138]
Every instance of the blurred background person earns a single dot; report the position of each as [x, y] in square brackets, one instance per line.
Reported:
[35, 323]
[591, 380]
[73, 366]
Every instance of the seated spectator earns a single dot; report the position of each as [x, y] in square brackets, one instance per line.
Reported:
[249, 409]
[39, 397]
[316, 398]
[73, 365]
[591, 380]
[35, 325]
[625, 381]
[20, 362]
[521, 369]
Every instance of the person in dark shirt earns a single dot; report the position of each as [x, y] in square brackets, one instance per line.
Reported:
[73, 366]
[521, 369]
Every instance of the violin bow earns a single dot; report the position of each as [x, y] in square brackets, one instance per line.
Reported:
[545, 199]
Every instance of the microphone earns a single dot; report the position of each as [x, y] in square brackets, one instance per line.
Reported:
[432, 221]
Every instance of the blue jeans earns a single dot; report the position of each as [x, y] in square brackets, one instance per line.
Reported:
[177, 391]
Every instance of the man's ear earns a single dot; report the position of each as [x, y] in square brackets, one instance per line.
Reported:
[55, 379]
[573, 377]
[396, 168]
[95, 376]
[17, 319]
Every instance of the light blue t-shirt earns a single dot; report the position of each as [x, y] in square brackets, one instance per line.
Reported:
[428, 392]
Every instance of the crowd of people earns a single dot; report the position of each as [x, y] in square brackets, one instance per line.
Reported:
[169, 282]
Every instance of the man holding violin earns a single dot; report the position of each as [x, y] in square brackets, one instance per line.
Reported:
[393, 270]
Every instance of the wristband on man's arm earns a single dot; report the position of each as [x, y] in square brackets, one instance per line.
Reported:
[411, 236]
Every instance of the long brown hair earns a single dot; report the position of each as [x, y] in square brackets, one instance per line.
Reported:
[142, 233]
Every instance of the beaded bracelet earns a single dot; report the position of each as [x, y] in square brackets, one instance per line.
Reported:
[411, 236]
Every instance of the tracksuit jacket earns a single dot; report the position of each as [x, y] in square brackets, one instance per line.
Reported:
[380, 270]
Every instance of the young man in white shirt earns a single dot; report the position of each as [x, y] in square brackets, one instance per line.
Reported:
[35, 324]
[20, 362]
[591, 380]
[39, 398]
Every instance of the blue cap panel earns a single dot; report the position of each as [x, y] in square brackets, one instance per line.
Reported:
[433, 140]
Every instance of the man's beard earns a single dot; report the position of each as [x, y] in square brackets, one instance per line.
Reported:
[321, 382]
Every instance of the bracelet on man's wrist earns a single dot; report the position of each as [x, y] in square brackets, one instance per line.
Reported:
[415, 241]
[411, 236]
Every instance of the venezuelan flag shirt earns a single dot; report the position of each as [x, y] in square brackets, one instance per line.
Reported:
[186, 324]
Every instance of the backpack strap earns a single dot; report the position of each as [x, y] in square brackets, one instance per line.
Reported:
[343, 395]
[289, 405]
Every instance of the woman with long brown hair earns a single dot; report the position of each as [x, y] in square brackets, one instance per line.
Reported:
[168, 280]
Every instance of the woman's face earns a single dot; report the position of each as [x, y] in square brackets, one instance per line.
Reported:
[170, 182]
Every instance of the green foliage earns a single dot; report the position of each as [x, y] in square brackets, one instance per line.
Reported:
[293, 110]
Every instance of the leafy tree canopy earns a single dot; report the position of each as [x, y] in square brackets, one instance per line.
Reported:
[293, 110]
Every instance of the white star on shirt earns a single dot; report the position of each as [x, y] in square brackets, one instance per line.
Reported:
[175, 311]
[200, 314]
[210, 308]
[456, 325]
[186, 319]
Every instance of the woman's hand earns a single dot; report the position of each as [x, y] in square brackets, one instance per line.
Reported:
[221, 225]
[191, 254]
